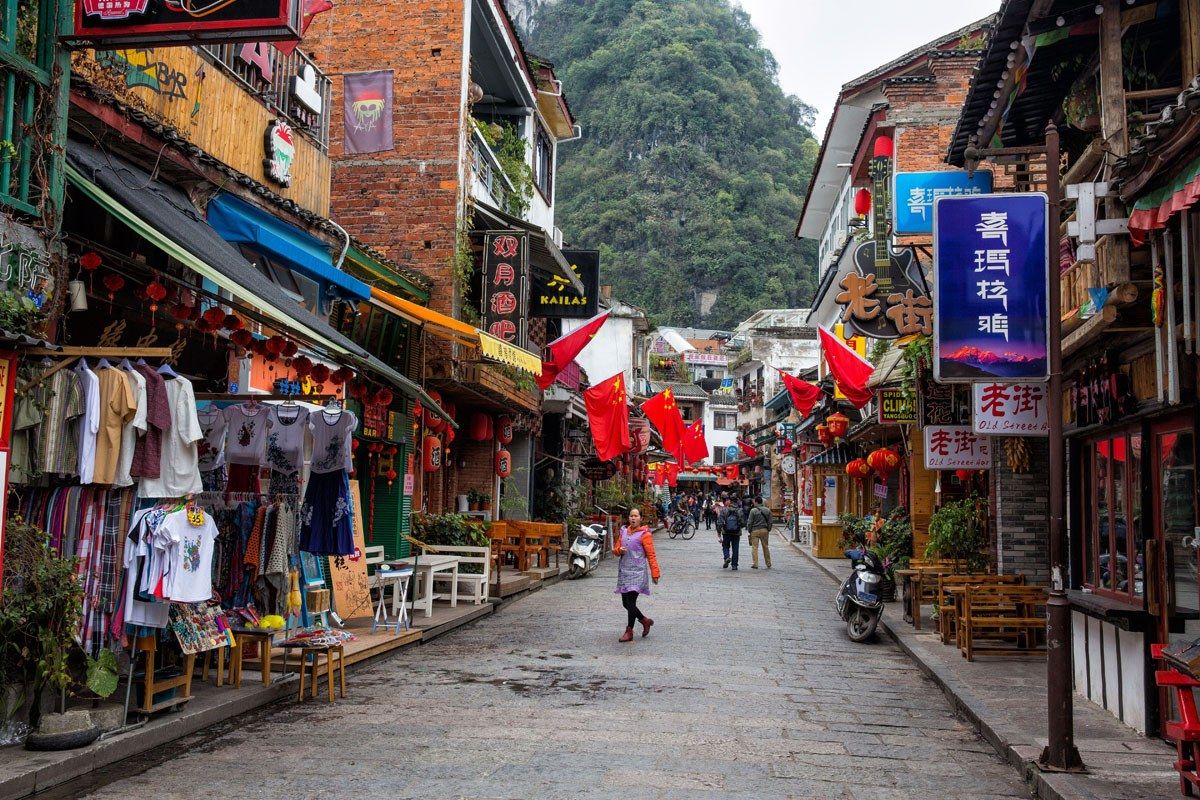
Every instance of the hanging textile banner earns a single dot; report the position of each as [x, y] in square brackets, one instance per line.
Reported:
[367, 112]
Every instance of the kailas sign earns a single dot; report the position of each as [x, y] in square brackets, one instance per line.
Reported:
[166, 22]
[1011, 409]
[506, 285]
[956, 447]
[991, 279]
[555, 297]
[916, 192]
[895, 407]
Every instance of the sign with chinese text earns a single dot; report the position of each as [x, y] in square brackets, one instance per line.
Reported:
[506, 285]
[991, 262]
[173, 22]
[881, 491]
[916, 193]
[895, 407]
[956, 447]
[1011, 409]
[943, 404]
[378, 422]
[555, 297]
[698, 357]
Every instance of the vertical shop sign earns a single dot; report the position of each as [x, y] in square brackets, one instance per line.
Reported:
[1011, 409]
[991, 276]
[943, 404]
[916, 192]
[956, 447]
[506, 285]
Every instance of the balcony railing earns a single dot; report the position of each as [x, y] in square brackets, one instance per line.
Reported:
[487, 172]
[292, 77]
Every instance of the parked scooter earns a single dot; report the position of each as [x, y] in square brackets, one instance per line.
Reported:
[859, 601]
[586, 550]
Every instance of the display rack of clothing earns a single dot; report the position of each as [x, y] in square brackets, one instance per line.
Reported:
[326, 515]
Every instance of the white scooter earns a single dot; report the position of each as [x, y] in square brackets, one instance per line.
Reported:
[586, 550]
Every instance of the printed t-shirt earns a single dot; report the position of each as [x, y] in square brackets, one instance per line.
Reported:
[331, 440]
[189, 557]
[285, 440]
[246, 440]
[212, 447]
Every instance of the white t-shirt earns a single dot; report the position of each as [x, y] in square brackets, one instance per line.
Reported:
[246, 439]
[189, 557]
[286, 437]
[89, 423]
[331, 434]
[140, 612]
[180, 472]
[212, 448]
[133, 429]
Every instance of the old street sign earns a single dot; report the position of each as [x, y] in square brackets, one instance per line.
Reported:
[895, 407]
[506, 285]
[1011, 409]
[956, 447]
[553, 296]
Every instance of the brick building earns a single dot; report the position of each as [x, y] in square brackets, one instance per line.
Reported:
[467, 100]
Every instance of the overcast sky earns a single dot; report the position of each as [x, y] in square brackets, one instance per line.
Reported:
[821, 44]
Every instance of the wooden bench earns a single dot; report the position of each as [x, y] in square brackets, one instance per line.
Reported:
[1001, 612]
[947, 602]
[918, 585]
[479, 582]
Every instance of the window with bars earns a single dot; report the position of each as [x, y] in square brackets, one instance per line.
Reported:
[34, 81]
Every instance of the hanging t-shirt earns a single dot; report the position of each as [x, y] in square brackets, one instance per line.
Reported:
[331, 433]
[58, 450]
[117, 407]
[246, 440]
[147, 457]
[189, 557]
[89, 425]
[179, 471]
[285, 441]
[138, 551]
[212, 447]
[134, 429]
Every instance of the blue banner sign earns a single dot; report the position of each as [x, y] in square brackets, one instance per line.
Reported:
[916, 192]
[991, 270]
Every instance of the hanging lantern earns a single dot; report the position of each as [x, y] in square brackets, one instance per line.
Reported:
[884, 461]
[451, 409]
[338, 376]
[503, 463]
[433, 421]
[392, 450]
[862, 202]
[858, 469]
[391, 475]
[838, 424]
[90, 261]
[290, 349]
[505, 429]
[450, 435]
[417, 409]
[481, 427]
[215, 317]
[964, 475]
[275, 344]
[242, 337]
[232, 322]
[303, 366]
[358, 390]
[883, 147]
[824, 435]
[320, 373]
[114, 284]
[431, 454]
[383, 396]
[156, 292]
[354, 443]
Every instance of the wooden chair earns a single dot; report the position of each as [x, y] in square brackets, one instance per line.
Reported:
[1002, 612]
[947, 603]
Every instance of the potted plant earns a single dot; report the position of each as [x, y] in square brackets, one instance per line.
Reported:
[892, 543]
[485, 502]
[854, 530]
[475, 499]
[957, 531]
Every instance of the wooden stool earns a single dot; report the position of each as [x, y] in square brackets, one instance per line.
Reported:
[219, 652]
[330, 665]
[243, 637]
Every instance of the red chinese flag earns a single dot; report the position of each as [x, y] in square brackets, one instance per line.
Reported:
[695, 447]
[804, 394]
[608, 417]
[748, 450]
[564, 349]
[672, 475]
[663, 413]
[850, 370]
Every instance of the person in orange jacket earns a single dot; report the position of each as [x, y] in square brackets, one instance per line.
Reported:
[637, 568]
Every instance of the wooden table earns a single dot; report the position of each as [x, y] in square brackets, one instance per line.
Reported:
[425, 568]
[911, 581]
[241, 636]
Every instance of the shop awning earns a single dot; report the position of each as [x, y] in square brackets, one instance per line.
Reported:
[544, 254]
[500, 350]
[435, 323]
[839, 454]
[163, 216]
[238, 221]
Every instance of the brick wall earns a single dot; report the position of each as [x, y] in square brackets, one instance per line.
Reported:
[925, 110]
[1021, 513]
[404, 202]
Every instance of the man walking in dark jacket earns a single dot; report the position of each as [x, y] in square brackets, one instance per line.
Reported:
[730, 523]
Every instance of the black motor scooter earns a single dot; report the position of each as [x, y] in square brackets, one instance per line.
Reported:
[859, 601]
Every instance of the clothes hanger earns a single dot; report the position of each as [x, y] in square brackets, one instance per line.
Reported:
[165, 370]
[141, 362]
[126, 365]
[103, 364]
[82, 365]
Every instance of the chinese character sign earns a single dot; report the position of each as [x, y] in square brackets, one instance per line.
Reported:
[956, 447]
[1011, 409]
[991, 262]
[506, 285]
[916, 193]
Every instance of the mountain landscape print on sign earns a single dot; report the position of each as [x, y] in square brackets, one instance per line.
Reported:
[969, 361]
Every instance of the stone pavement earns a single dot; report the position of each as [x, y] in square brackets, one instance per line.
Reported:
[746, 688]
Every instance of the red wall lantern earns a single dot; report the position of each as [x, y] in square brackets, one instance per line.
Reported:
[883, 147]
[505, 429]
[503, 463]
[481, 427]
[858, 469]
[964, 475]
[824, 435]
[433, 421]
[884, 461]
[862, 202]
[838, 424]
[431, 454]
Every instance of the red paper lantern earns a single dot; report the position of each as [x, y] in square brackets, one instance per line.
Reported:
[242, 337]
[433, 421]
[339, 376]
[838, 424]
[354, 443]
[505, 429]
[114, 284]
[303, 366]
[202, 325]
[417, 409]
[275, 344]
[480, 429]
[431, 454]
[450, 435]
[391, 475]
[884, 461]
[883, 147]
[858, 469]
[451, 409]
[232, 322]
[964, 475]
[214, 317]
[392, 450]
[320, 373]
[358, 390]
[290, 349]
[824, 435]
[503, 463]
[156, 291]
[862, 202]
[90, 261]
[383, 396]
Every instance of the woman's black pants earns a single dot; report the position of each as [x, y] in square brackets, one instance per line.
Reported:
[629, 600]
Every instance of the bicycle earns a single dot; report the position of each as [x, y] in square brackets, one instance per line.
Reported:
[683, 526]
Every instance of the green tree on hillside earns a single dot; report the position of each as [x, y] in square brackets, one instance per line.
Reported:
[694, 163]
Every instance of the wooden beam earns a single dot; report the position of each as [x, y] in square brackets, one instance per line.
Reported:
[1189, 37]
[1090, 330]
[103, 352]
[1086, 164]
[1112, 81]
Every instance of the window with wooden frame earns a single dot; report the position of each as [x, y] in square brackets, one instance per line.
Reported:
[543, 162]
[1112, 524]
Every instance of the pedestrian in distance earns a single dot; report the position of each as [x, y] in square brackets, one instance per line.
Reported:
[694, 508]
[710, 515]
[758, 522]
[637, 568]
[730, 525]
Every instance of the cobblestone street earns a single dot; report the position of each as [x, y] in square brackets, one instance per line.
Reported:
[747, 687]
